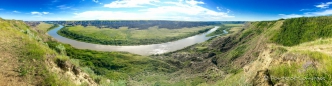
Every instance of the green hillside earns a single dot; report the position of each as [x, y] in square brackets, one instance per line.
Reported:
[299, 30]
[25, 57]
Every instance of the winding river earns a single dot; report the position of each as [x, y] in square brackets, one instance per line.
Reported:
[140, 49]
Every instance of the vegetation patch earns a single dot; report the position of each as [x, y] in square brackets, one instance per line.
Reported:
[313, 72]
[298, 30]
[28, 52]
[114, 65]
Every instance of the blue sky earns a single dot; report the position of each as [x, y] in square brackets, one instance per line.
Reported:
[184, 10]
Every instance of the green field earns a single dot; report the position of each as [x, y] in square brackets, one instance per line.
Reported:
[129, 36]
[226, 27]
[45, 27]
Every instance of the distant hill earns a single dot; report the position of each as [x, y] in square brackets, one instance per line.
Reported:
[142, 24]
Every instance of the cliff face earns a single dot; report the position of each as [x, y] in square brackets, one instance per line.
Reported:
[27, 60]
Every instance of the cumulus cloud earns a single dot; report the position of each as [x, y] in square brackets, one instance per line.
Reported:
[16, 11]
[324, 5]
[39, 13]
[36, 13]
[130, 3]
[193, 2]
[45, 13]
[182, 10]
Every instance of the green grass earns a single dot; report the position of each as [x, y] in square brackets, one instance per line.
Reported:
[237, 52]
[227, 27]
[117, 65]
[24, 45]
[233, 80]
[126, 36]
[301, 73]
[299, 30]
[45, 27]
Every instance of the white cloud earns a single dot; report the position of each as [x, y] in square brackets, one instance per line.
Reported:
[63, 7]
[290, 15]
[322, 12]
[130, 3]
[16, 11]
[193, 2]
[46, 13]
[182, 10]
[308, 14]
[324, 5]
[39, 13]
[36, 13]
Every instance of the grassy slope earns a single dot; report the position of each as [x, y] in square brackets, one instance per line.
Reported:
[307, 62]
[23, 56]
[310, 53]
[118, 67]
[125, 36]
[299, 30]
[256, 58]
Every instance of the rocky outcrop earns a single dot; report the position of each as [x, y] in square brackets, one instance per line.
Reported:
[262, 78]
[65, 69]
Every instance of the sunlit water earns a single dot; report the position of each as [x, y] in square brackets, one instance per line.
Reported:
[140, 49]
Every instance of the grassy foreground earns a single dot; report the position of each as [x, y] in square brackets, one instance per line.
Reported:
[129, 36]
[25, 58]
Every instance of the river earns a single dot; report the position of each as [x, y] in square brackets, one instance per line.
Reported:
[140, 49]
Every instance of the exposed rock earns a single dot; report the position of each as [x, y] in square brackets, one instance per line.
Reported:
[223, 44]
[76, 70]
[211, 55]
[262, 78]
[68, 70]
[64, 65]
